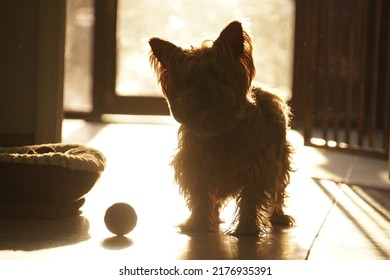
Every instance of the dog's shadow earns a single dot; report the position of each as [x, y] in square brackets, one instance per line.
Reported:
[31, 234]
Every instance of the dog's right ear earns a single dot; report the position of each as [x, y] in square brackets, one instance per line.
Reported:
[162, 51]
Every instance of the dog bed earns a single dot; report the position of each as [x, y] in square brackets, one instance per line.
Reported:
[47, 181]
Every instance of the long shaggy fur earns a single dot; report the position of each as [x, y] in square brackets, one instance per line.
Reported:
[232, 139]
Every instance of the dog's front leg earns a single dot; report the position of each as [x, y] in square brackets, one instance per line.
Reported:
[252, 217]
[204, 211]
[247, 216]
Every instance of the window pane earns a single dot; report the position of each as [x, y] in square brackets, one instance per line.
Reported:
[271, 23]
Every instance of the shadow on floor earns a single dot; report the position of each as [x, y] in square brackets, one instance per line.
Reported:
[117, 243]
[215, 246]
[365, 212]
[30, 235]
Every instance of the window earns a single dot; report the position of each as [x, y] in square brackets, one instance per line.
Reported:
[122, 79]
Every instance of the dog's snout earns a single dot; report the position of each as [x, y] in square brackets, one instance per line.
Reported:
[205, 98]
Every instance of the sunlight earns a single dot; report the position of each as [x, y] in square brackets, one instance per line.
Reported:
[350, 223]
[330, 217]
[143, 152]
[366, 216]
[188, 22]
[175, 22]
[318, 141]
[332, 144]
[305, 158]
[227, 215]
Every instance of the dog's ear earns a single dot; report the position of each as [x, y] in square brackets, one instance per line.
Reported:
[162, 50]
[233, 37]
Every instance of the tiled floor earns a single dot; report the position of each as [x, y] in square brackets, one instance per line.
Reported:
[336, 219]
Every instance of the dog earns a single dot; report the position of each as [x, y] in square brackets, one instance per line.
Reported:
[232, 137]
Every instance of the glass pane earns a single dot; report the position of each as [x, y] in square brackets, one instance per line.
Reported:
[78, 56]
[188, 22]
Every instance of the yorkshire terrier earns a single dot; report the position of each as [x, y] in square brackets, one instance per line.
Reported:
[232, 139]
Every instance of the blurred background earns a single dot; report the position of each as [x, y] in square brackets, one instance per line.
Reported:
[185, 23]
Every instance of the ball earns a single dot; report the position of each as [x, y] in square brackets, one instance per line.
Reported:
[120, 218]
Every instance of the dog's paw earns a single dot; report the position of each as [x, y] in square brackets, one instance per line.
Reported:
[240, 233]
[247, 231]
[191, 226]
[283, 220]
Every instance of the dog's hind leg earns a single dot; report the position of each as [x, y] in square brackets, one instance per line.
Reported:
[278, 216]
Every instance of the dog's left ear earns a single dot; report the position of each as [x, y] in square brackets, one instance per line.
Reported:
[162, 50]
[233, 37]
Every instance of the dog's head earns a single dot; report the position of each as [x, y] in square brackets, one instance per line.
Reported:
[206, 87]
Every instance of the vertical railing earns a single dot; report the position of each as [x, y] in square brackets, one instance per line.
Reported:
[341, 95]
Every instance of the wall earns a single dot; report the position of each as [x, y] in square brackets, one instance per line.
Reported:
[31, 71]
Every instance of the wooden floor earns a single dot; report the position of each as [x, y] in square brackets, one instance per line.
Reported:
[341, 204]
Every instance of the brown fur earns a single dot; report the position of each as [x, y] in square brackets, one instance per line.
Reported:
[232, 139]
